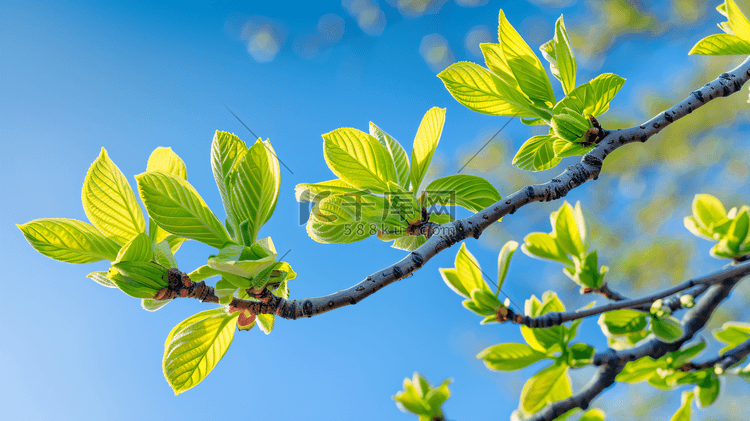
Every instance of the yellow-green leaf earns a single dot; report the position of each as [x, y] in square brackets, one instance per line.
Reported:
[721, 44]
[425, 143]
[316, 192]
[593, 97]
[195, 346]
[164, 159]
[109, 201]
[559, 54]
[138, 249]
[400, 159]
[510, 356]
[683, 413]
[359, 159]
[68, 240]
[536, 154]
[226, 148]
[469, 191]
[539, 389]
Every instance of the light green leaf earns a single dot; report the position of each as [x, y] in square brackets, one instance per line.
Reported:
[639, 370]
[469, 191]
[469, 273]
[737, 232]
[708, 390]
[68, 240]
[564, 148]
[109, 201]
[738, 23]
[622, 322]
[503, 262]
[425, 143]
[409, 243]
[253, 187]
[708, 212]
[566, 230]
[569, 125]
[732, 334]
[153, 305]
[316, 192]
[336, 219]
[668, 329]
[510, 356]
[593, 97]
[139, 279]
[238, 261]
[138, 249]
[226, 148]
[100, 277]
[163, 255]
[411, 400]
[397, 152]
[721, 44]
[683, 413]
[401, 207]
[175, 205]
[539, 389]
[512, 53]
[359, 159]
[581, 224]
[593, 415]
[479, 90]
[164, 159]
[542, 245]
[694, 227]
[195, 346]
[265, 322]
[436, 396]
[559, 54]
[536, 154]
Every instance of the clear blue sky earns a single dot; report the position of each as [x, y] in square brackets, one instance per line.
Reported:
[132, 76]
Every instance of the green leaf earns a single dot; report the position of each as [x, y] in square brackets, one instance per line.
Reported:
[513, 55]
[109, 201]
[564, 148]
[539, 389]
[737, 232]
[566, 230]
[683, 413]
[468, 274]
[580, 355]
[138, 249]
[401, 207]
[340, 220]
[425, 143]
[100, 277]
[68, 240]
[536, 154]
[708, 390]
[694, 227]
[409, 243]
[226, 149]
[545, 340]
[153, 305]
[435, 397]
[139, 279]
[265, 322]
[593, 415]
[543, 245]
[622, 322]
[236, 260]
[397, 152]
[639, 370]
[195, 346]
[253, 187]
[721, 44]
[477, 89]
[468, 191]
[175, 205]
[510, 356]
[708, 211]
[668, 329]
[319, 191]
[569, 125]
[737, 23]
[163, 255]
[164, 159]
[732, 334]
[559, 54]
[359, 159]
[503, 262]
[410, 400]
[593, 97]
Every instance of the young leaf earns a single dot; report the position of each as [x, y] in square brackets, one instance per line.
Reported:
[708, 211]
[565, 148]
[683, 413]
[163, 255]
[542, 245]
[469, 273]
[559, 54]
[100, 277]
[721, 44]
[138, 249]
[503, 262]
[109, 201]
[513, 54]
[175, 205]
[566, 230]
[153, 305]
[164, 159]
[359, 159]
[398, 154]
[593, 97]
[316, 192]
[593, 415]
[409, 243]
[732, 334]
[477, 89]
[622, 322]
[253, 187]
[737, 22]
[336, 219]
[469, 191]
[569, 125]
[68, 240]
[539, 389]
[708, 390]
[536, 154]
[510, 356]
[139, 279]
[425, 143]
[668, 329]
[580, 355]
[265, 322]
[226, 148]
[195, 346]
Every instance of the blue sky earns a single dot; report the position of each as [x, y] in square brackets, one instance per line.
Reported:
[134, 76]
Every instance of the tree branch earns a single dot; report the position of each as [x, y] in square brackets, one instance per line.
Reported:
[612, 362]
[556, 318]
[446, 235]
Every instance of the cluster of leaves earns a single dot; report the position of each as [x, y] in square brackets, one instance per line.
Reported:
[568, 243]
[735, 40]
[730, 230]
[421, 399]
[377, 191]
[248, 179]
[515, 84]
